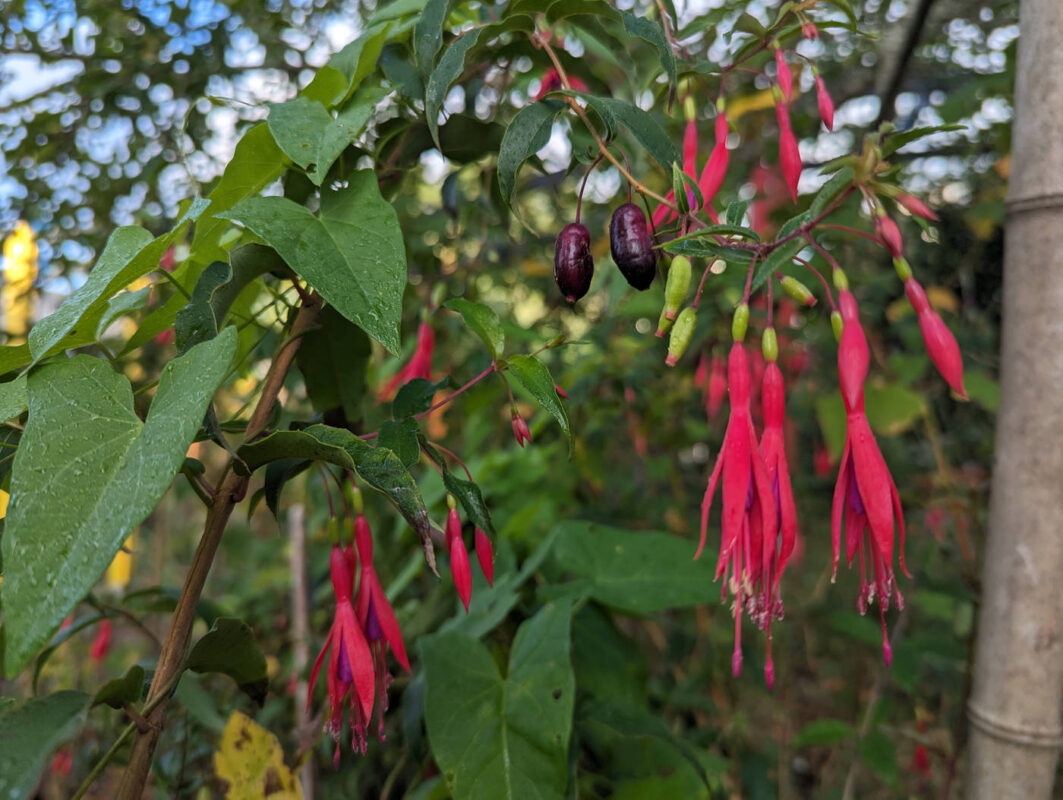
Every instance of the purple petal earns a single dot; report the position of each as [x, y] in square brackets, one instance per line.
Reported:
[373, 631]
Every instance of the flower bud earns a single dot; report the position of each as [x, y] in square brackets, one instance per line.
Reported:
[682, 333]
[798, 291]
[690, 109]
[789, 155]
[904, 269]
[841, 280]
[826, 105]
[913, 205]
[740, 322]
[333, 528]
[889, 234]
[664, 323]
[782, 69]
[942, 348]
[485, 555]
[677, 285]
[837, 325]
[769, 345]
[916, 296]
[354, 496]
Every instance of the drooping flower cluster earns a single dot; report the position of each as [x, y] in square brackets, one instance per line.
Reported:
[363, 627]
[459, 555]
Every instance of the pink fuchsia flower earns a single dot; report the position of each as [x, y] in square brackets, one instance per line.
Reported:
[913, 205]
[826, 105]
[459, 556]
[520, 429]
[865, 496]
[377, 619]
[715, 170]
[782, 69]
[940, 343]
[419, 365]
[350, 672]
[749, 515]
[101, 645]
[809, 30]
[486, 556]
[717, 386]
[889, 234]
[773, 452]
[789, 155]
[551, 82]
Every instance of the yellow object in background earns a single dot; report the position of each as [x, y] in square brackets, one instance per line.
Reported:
[20, 271]
[250, 761]
[121, 569]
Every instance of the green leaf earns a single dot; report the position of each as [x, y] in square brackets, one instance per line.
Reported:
[830, 412]
[332, 359]
[277, 474]
[892, 409]
[466, 492]
[879, 753]
[312, 138]
[528, 132]
[646, 130]
[822, 732]
[736, 212]
[896, 141]
[638, 573]
[30, 732]
[503, 738]
[378, 467]
[839, 182]
[779, 258]
[652, 32]
[121, 305]
[535, 377]
[415, 397]
[346, 70]
[87, 472]
[483, 321]
[450, 67]
[712, 231]
[12, 398]
[747, 23]
[706, 248]
[217, 289]
[120, 691]
[401, 438]
[982, 389]
[129, 254]
[229, 647]
[428, 35]
[256, 163]
[352, 252]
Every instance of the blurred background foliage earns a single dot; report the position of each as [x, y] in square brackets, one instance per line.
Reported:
[113, 113]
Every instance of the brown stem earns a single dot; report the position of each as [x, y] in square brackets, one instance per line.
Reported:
[229, 493]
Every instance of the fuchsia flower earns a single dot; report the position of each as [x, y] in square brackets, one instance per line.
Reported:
[520, 429]
[889, 234]
[826, 105]
[940, 343]
[773, 451]
[749, 519]
[712, 176]
[551, 82]
[914, 205]
[717, 386]
[459, 558]
[486, 556]
[419, 365]
[101, 645]
[864, 495]
[809, 30]
[789, 155]
[377, 619]
[350, 666]
[785, 78]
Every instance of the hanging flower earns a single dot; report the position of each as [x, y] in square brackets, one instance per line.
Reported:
[350, 666]
[419, 365]
[865, 496]
[749, 515]
[486, 556]
[940, 343]
[101, 645]
[377, 619]
[716, 167]
[785, 77]
[459, 556]
[789, 155]
[826, 105]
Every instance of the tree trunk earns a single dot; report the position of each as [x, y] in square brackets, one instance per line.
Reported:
[1014, 711]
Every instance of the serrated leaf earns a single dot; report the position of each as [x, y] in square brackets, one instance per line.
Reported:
[229, 647]
[839, 182]
[120, 691]
[527, 133]
[352, 252]
[483, 321]
[30, 732]
[504, 738]
[87, 472]
[535, 377]
[822, 732]
[652, 32]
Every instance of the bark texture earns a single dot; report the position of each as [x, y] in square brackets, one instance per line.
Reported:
[1014, 711]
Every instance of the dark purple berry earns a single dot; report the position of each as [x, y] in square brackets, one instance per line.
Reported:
[632, 248]
[573, 264]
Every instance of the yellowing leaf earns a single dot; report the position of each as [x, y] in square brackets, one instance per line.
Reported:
[251, 761]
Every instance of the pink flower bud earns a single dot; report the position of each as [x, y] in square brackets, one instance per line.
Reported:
[916, 296]
[942, 348]
[786, 79]
[485, 555]
[690, 147]
[889, 234]
[809, 30]
[853, 355]
[789, 155]
[560, 392]
[826, 105]
[916, 206]
[712, 176]
[459, 558]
